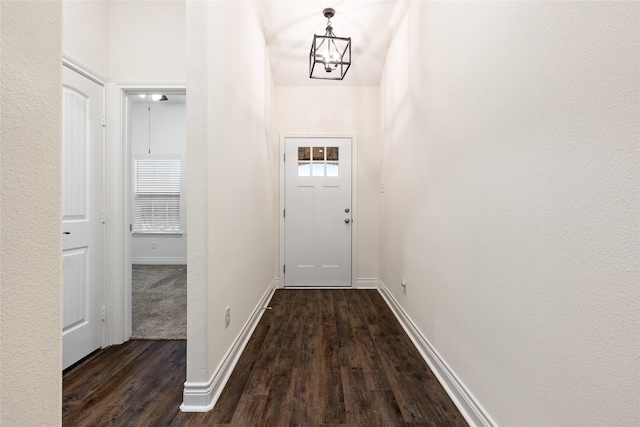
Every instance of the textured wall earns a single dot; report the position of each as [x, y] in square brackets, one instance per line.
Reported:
[303, 109]
[510, 160]
[231, 168]
[30, 221]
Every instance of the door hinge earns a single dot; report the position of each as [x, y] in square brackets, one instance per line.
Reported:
[284, 213]
[131, 227]
[284, 269]
[104, 313]
[284, 157]
[104, 120]
[104, 217]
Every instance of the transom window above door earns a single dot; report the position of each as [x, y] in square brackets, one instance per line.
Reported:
[318, 161]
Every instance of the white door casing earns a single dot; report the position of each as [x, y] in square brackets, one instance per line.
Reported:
[318, 212]
[82, 220]
[117, 282]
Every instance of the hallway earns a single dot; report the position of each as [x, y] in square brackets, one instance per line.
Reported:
[496, 189]
[317, 357]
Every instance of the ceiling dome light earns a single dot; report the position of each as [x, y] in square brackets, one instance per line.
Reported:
[157, 97]
[331, 53]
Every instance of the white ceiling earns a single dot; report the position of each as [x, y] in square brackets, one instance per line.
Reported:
[289, 27]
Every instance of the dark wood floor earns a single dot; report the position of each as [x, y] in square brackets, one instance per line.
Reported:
[330, 357]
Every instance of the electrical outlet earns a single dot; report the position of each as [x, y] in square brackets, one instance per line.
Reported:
[227, 317]
[153, 244]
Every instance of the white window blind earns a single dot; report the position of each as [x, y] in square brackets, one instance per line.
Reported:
[156, 181]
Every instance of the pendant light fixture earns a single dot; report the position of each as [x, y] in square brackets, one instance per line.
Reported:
[149, 122]
[154, 97]
[330, 56]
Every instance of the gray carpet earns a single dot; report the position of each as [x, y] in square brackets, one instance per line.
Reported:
[159, 302]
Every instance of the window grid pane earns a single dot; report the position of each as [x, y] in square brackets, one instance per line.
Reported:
[333, 154]
[304, 169]
[304, 153]
[318, 161]
[317, 169]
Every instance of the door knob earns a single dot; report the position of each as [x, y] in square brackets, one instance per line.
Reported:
[347, 221]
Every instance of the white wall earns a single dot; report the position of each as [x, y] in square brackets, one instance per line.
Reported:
[85, 33]
[147, 41]
[231, 198]
[510, 160]
[30, 219]
[168, 136]
[342, 109]
[127, 41]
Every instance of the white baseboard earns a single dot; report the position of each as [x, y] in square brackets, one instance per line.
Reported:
[159, 261]
[470, 408]
[363, 283]
[202, 397]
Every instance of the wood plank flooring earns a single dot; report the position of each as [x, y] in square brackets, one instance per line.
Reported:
[318, 358]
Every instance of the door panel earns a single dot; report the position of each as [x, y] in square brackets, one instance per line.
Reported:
[301, 219]
[81, 216]
[74, 267]
[317, 224]
[330, 235]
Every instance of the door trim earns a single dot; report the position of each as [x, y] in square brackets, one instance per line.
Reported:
[354, 200]
[76, 66]
[118, 176]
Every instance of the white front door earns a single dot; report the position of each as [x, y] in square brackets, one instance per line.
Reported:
[318, 212]
[82, 227]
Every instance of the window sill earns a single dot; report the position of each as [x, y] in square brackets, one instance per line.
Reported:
[157, 233]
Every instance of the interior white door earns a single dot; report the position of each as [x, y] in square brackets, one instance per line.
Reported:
[82, 225]
[318, 216]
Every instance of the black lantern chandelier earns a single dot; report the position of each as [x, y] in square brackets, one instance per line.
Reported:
[330, 56]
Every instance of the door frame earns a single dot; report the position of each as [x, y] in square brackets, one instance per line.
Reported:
[118, 180]
[354, 200]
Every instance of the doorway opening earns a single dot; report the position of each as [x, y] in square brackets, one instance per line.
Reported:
[156, 166]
